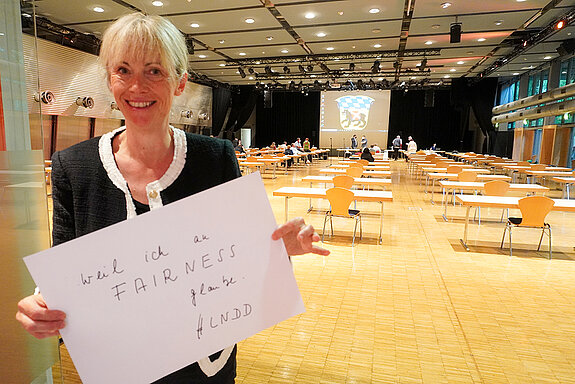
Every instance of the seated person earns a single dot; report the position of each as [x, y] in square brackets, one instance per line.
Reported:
[375, 148]
[239, 147]
[366, 155]
[288, 151]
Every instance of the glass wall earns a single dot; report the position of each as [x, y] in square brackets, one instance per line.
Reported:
[24, 224]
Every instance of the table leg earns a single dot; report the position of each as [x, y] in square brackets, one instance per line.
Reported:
[310, 206]
[381, 224]
[275, 166]
[432, 190]
[445, 203]
[464, 240]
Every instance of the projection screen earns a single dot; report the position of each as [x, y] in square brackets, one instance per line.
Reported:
[344, 114]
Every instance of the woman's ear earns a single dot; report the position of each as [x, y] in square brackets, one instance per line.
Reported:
[181, 84]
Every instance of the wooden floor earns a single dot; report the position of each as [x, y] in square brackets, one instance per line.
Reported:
[419, 308]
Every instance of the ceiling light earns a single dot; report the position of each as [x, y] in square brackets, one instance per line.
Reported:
[520, 1]
[560, 24]
[547, 57]
[249, 20]
[242, 53]
[284, 51]
[461, 62]
[250, 78]
[269, 38]
[481, 39]
[374, 10]
[428, 42]
[435, 26]
[221, 41]
[515, 73]
[452, 70]
[446, 77]
[445, 5]
[499, 22]
[98, 9]
[377, 46]
[222, 65]
[320, 34]
[376, 30]
[157, 3]
[202, 56]
[330, 48]
[195, 25]
[310, 15]
[413, 77]
[340, 13]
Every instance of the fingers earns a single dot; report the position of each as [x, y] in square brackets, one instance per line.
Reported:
[284, 229]
[37, 319]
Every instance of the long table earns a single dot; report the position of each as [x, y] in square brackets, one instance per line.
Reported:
[341, 171]
[320, 193]
[504, 202]
[567, 181]
[453, 176]
[447, 185]
[366, 181]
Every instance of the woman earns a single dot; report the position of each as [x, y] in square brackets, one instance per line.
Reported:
[143, 166]
[366, 155]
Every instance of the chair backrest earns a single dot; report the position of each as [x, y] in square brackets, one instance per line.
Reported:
[356, 165]
[252, 158]
[454, 169]
[339, 199]
[524, 164]
[496, 188]
[354, 171]
[534, 209]
[467, 176]
[363, 162]
[442, 164]
[343, 181]
[538, 167]
[430, 157]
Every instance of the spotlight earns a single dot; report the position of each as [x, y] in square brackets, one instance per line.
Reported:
[360, 85]
[291, 86]
[241, 72]
[376, 67]
[268, 70]
[310, 68]
[560, 24]
[251, 70]
[352, 66]
[423, 64]
[371, 84]
[301, 68]
[455, 33]
[286, 69]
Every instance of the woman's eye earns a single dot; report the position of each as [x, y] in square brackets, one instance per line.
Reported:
[122, 70]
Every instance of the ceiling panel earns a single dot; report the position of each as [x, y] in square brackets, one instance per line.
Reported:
[234, 21]
[246, 39]
[433, 8]
[379, 29]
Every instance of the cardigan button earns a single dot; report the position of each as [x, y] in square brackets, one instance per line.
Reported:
[153, 194]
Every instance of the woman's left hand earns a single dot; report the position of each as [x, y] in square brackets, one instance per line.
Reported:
[299, 238]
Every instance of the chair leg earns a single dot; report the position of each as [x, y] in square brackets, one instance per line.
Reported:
[510, 244]
[550, 252]
[503, 238]
[323, 232]
[541, 238]
[360, 228]
[354, 229]
[331, 223]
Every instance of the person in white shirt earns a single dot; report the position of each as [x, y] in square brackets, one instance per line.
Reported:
[411, 145]
[375, 148]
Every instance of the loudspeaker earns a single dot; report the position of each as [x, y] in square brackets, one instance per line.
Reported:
[567, 47]
[429, 100]
[267, 99]
[455, 33]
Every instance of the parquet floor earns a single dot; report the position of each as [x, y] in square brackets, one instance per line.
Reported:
[419, 308]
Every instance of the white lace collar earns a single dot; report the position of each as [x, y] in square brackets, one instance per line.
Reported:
[154, 188]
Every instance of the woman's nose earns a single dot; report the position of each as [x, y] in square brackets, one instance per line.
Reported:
[138, 82]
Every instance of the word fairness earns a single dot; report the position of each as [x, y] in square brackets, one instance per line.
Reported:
[165, 275]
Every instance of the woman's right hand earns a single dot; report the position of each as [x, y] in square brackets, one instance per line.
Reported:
[37, 319]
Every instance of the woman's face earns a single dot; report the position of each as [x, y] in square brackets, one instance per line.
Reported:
[143, 90]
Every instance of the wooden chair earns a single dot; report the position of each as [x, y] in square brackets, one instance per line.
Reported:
[343, 181]
[340, 200]
[495, 188]
[533, 209]
[467, 176]
[454, 169]
[354, 171]
[356, 165]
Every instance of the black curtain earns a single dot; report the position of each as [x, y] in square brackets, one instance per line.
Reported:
[221, 99]
[477, 96]
[243, 103]
[427, 125]
[293, 115]
[501, 143]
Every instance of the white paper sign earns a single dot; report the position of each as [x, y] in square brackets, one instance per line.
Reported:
[151, 295]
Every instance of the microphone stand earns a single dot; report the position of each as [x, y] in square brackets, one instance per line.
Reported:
[330, 150]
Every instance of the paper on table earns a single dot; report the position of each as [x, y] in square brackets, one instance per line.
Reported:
[150, 295]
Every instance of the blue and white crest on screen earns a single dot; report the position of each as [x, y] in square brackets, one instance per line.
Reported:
[354, 111]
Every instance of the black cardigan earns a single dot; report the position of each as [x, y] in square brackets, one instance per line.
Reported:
[85, 199]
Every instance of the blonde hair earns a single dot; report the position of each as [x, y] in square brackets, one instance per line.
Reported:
[138, 35]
